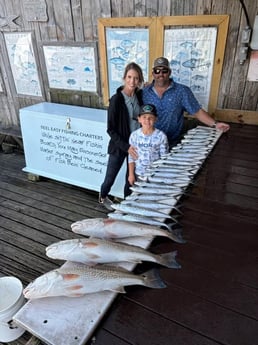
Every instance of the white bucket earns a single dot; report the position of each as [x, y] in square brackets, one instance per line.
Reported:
[11, 300]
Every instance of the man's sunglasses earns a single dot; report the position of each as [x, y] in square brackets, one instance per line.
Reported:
[160, 70]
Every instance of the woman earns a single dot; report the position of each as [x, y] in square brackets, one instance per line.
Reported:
[123, 111]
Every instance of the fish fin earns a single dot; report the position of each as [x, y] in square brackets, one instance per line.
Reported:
[169, 260]
[118, 268]
[134, 261]
[152, 279]
[176, 235]
[177, 209]
[70, 276]
[174, 219]
[119, 289]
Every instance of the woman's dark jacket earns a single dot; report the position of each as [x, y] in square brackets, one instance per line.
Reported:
[118, 126]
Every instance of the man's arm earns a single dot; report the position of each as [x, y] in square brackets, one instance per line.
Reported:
[205, 118]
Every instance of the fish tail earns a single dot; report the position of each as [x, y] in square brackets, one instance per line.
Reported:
[177, 209]
[176, 234]
[152, 279]
[173, 218]
[169, 260]
[168, 226]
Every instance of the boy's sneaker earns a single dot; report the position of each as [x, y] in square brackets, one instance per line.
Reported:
[106, 202]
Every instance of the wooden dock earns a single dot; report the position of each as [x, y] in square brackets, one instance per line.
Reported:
[212, 300]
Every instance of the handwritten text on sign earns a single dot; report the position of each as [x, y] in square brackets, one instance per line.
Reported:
[73, 148]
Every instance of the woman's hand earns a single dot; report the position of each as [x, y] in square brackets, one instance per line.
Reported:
[131, 179]
[133, 152]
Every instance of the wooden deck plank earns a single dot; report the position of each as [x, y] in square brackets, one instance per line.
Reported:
[21, 266]
[240, 269]
[47, 203]
[220, 209]
[211, 300]
[197, 314]
[46, 188]
[226, 243]
[16, 254]
[158, 329]
[222, 291]
[36, 218]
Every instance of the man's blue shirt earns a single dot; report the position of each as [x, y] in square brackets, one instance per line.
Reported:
[171, 106]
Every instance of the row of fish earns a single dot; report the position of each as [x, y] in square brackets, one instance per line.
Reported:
[88, 260]
[92, 263]
[156, 195]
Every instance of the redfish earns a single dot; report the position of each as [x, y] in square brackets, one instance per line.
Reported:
[114, 228]
[77, 279]
[93, 251]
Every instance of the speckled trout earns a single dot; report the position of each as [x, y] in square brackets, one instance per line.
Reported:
[125, 208]
[93, 251]
[77, 279]
[170, 200]
[151, 205]
[167, 173]
[175, 161]
[145, 190]
[139, 219]
[158, 185]
[176, 181]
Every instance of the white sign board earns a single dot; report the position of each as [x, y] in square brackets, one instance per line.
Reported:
[69, 144]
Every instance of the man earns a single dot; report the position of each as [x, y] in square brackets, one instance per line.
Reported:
[171, 100]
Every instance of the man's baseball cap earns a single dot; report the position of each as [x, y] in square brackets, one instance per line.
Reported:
[161, 62]
[148, 109]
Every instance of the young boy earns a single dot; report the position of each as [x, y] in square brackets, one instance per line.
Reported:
[149, 142]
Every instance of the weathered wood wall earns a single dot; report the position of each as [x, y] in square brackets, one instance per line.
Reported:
[77, 21]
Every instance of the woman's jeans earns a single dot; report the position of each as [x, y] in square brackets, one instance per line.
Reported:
[113, 166]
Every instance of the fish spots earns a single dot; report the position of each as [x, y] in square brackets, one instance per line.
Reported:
[108, 221]
[70, 276]
[75, 287]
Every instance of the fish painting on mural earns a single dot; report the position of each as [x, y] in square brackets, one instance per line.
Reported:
[196, 63]
[68, 69]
